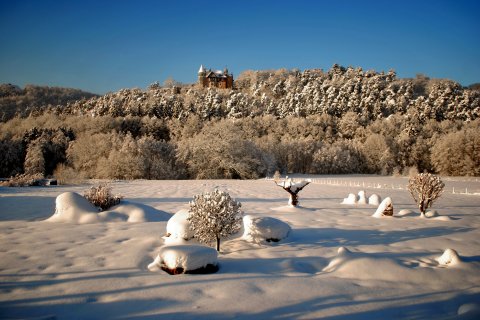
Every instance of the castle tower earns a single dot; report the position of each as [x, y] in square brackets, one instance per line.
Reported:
[201, 75]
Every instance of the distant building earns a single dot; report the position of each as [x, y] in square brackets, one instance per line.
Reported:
[215, 79]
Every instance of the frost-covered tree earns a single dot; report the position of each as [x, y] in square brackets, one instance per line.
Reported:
[425, 188]
[214, 215]
[34, 160]
[293, 188]
[458, 153]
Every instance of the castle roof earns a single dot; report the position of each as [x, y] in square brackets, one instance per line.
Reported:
[202, 69]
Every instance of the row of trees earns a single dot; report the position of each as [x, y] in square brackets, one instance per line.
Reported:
[144, 147]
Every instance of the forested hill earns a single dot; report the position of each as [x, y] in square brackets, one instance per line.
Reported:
[31, 99]
[342, 121]
[283, 93]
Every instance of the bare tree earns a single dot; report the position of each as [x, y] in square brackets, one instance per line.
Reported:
[425, 188]
[293, 188]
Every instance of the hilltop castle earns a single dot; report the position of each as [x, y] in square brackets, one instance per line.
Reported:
[215, 79]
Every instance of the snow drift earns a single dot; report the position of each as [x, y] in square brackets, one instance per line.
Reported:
[74, 208]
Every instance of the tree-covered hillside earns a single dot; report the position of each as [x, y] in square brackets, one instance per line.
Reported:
[342, 121]
[283, 93]
[34, 99]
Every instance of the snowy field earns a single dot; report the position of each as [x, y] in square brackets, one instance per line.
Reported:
[338, 261]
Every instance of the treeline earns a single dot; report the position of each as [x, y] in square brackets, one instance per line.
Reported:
[15, 101]
[344, 120]
[151, 148]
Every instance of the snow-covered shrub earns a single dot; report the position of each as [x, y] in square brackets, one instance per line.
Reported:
[101, 196]
[425, 188]
[384, 209]
[260, 229]
[178, 226]
[178, 259]
[24, 180]
[214, 215]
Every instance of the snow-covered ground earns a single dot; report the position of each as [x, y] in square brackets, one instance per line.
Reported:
[337, 261]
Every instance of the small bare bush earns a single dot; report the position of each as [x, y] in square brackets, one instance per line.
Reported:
[425, 188]
[101, 196]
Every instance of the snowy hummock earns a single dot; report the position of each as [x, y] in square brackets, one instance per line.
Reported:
[261, 229]
[185, 257]
[350, 199]
[178, 227]
[406, 212]
[374, 200]
[362, 198]
[449, 258]
[74, 208]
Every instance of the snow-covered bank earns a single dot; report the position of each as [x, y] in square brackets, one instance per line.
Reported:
[337, 260]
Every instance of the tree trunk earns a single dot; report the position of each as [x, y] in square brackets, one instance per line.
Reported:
[422, 208]
[218, 244]
[293, 201]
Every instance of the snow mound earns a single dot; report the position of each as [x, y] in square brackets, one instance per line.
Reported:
[178, 227]
[431, 214]
[133, 212]
[351, 199]
[72, 207]
[449, 257]
[362, 198]
[261, 229]
[384, 209]
[406, 212]
[374, 200]
[343, 254]
[177, 259]
[367, 266]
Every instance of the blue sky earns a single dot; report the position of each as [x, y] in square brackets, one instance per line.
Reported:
[102, 46]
